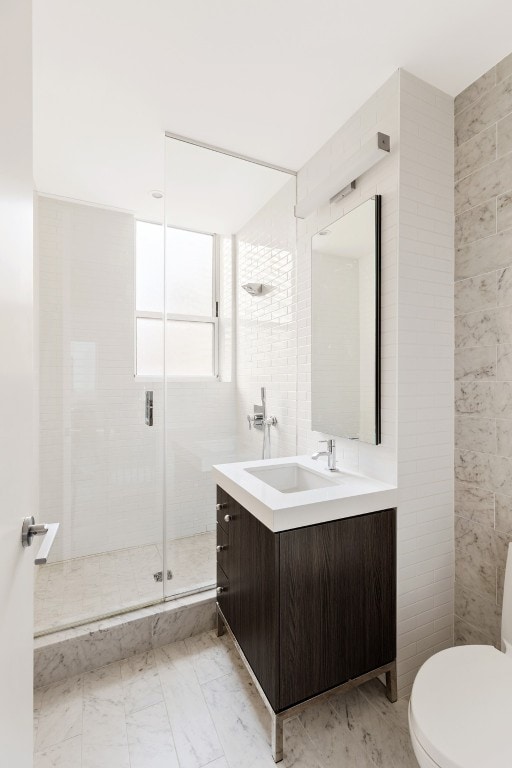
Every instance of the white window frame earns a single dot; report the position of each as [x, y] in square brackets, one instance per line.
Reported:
[213, 319]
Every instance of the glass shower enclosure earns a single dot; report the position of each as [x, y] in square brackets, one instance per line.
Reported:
[140, 327]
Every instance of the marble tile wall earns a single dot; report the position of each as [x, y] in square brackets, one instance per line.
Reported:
[483, 351]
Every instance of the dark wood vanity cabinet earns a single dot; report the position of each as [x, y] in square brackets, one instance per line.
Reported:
[312, 607]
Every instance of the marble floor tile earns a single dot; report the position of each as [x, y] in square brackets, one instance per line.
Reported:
[385, 747]
[192, 704]
[60, 714]
[212, 656]
[105, 756]
[195, 737]
[150, 739]
[243, 725]
[396, 713]
[334, 742]
[141, 682]
[104, 723]
[242, 722]
[103, 684]
[65, 754]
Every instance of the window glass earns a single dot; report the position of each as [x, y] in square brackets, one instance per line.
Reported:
[189, 348]
[149, 269]
[190, 343]
[150, 341]
[189, 273]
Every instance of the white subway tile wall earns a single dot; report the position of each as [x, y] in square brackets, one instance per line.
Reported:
[266, 344]
[425, 375]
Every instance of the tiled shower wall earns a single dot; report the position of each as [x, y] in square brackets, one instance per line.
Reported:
[483, 357]
[266, 338]
[100, 466]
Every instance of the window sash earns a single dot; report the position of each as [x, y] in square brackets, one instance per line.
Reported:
[213, 319]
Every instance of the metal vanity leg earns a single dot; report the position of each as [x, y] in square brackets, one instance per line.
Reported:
[277, 738]
[391, 690]
[220, 624]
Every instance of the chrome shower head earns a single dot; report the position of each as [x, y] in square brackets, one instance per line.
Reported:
[253, 288]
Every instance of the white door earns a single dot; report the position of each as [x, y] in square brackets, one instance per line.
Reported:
[17, 444]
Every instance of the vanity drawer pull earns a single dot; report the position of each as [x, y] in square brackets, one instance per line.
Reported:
[220, 590]
[218, 507]
[227, 518]
[221, 547]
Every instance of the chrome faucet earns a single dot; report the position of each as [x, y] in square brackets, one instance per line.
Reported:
[330, 453]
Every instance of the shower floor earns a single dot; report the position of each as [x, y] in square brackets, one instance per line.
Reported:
[75, 591]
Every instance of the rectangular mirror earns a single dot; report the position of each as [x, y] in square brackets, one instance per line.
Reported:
[345, 338]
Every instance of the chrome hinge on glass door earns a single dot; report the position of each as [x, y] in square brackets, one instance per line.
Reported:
[149, 408]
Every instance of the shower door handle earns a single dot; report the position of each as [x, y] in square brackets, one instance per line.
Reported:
[29, 530]
[149, 408]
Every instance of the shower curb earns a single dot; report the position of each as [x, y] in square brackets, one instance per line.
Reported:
[70, 652]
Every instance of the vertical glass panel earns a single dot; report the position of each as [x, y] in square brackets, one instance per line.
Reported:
[149, 260]
[250, 209]
[150, 342]
[100, 466]
[189, 348]
[189, 276]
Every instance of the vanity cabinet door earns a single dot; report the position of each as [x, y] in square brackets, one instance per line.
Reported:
[259, 602]
[337, 603]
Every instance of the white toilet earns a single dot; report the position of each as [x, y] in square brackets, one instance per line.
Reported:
[460, 711]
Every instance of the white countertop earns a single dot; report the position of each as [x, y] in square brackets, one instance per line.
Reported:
[347, 495]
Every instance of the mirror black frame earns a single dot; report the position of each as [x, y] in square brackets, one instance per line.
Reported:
[378, 281]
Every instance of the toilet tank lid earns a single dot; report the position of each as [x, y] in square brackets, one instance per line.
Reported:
[460, 707]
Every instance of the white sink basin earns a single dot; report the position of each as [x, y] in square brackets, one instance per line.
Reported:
[297, 491]
[291, 478]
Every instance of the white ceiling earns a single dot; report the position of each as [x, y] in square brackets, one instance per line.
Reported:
[273, 79]
[212, 192]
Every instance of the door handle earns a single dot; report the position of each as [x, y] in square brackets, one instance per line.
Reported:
[29, 530]
[148, 409]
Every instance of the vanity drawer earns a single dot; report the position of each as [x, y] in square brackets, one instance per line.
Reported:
[222, 553]
[225, 508]
[224, 597]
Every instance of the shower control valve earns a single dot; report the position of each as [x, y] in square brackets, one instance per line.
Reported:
[257, 420]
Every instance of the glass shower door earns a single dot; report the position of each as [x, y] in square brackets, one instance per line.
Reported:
[101, 464]
[228, 221]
